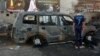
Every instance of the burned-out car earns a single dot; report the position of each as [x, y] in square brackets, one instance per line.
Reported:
[5, 29]
[45, 27]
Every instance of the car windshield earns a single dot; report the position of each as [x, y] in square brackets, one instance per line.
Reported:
[67, 18]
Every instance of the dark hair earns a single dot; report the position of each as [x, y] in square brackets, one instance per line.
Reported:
[77, 10]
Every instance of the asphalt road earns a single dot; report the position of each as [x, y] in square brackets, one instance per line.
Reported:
[54, 50]
[8, 48]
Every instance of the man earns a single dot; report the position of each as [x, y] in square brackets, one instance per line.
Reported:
[78, 26]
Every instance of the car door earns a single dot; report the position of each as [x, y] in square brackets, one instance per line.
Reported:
[66, 23]
[49, 27]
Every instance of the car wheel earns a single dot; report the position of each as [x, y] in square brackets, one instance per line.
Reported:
[36, 41]
[12, 33]
[89, 37]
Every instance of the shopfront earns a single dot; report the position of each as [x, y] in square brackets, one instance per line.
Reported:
[15, 5]
[41, 5]
[45, 5]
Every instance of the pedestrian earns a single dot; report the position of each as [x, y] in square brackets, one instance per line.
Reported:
[78, 27]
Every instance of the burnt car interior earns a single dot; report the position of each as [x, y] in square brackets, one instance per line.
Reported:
[47, 20]
[29, 19]
[43, 20]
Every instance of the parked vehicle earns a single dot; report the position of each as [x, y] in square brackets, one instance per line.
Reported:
[5, 29]
[45, 27]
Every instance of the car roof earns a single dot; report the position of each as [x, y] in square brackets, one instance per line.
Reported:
[43, 13]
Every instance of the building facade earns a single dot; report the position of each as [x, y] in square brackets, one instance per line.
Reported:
[41, 5]
[90, 7]
[64, 6]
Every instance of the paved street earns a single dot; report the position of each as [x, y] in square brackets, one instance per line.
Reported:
[54, 50]
[8, 48]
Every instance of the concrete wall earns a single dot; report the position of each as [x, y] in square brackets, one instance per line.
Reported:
[7, 19]
[89, 15]
[67, 6]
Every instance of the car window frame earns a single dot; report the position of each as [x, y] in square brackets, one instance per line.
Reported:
[56, 23]
[30, 20]
[62, 16]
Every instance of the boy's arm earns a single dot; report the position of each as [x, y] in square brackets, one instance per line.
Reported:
[73, 27]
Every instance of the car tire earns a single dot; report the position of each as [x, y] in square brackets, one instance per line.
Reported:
[89, 37]
[90, 40]
[36, 41]
[12, 33]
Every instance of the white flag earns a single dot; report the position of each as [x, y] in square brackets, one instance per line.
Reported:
[32, 6]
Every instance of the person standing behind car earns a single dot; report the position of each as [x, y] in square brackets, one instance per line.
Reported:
[78, 27]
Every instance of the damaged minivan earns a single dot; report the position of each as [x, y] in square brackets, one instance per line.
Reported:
[45, 27]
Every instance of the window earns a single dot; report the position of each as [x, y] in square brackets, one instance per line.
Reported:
[68, 18]
[48, 20]
[29, 19]
[54, 19]
[65, 20]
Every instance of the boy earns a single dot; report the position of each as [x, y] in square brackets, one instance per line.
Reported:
[78, 26]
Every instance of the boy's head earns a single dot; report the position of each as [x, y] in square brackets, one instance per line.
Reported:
[79, 12]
